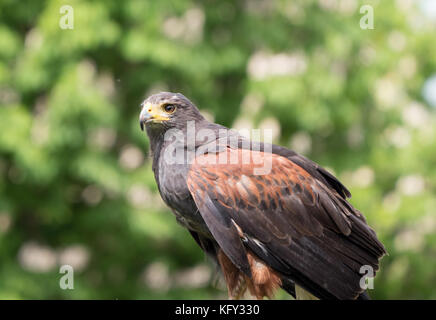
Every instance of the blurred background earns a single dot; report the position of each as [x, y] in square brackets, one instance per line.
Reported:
[76, 185]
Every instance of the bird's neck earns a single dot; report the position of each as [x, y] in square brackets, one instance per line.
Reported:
[156, 137]
[180, 141]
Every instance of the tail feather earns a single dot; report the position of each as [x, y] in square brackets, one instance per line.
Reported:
[364, 296]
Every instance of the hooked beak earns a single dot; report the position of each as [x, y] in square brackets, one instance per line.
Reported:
[144, 116]
[151, 113]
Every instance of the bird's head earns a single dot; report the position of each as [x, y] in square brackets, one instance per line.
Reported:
[167, 110]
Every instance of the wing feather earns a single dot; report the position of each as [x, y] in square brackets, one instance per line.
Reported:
[293, 221]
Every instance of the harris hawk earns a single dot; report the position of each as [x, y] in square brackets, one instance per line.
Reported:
[266, 215]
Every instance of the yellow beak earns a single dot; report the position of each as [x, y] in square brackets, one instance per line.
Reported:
[151, 113]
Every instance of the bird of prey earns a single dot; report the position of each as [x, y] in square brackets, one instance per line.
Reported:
[269, 217]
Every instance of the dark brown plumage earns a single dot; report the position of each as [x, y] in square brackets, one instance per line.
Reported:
[274, 220]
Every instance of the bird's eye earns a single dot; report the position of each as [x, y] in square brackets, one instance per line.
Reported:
[169, 108]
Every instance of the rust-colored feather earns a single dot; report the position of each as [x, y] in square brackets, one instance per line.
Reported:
[235, 280]
[274, 220]
[264, 281]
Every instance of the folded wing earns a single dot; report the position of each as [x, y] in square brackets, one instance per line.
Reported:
[266, 204]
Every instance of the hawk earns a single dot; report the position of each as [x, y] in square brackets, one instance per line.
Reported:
[269, 217]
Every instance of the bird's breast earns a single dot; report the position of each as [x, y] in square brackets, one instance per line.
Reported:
[176, 195]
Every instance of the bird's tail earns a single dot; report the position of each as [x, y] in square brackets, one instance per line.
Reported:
[364, 296]
[300, 294]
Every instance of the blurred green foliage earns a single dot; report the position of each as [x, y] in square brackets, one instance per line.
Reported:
[76, 185]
